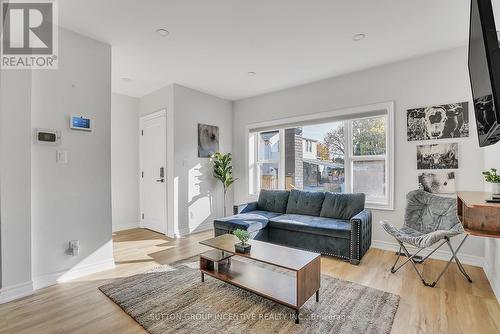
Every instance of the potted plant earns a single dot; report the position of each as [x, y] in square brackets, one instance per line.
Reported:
[223, 171]
[242, 246]
[492, 177]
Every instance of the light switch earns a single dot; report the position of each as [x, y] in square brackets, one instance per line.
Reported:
[62, 157]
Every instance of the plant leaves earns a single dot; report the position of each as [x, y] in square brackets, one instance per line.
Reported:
[222, 169]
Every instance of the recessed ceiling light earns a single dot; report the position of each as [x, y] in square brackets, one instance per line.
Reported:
[162, 32]
[358, 37]
[126, 79]
[252, 74]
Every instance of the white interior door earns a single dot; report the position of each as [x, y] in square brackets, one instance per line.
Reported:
[153, 148]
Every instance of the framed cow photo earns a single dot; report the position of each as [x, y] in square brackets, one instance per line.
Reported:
[208, 140]
[438, 122]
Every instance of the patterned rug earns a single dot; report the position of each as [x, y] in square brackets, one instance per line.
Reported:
[172, 299]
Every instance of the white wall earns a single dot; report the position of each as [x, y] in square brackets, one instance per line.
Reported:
[492, 246]
[193, 196]
[124, 161]
[429, 80]
[200, 196]
[73, 200]
[15, 179]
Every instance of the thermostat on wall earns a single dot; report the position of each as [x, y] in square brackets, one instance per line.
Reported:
[44, 136]
[80, 123]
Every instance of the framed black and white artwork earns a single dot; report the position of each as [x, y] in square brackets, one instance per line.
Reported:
[438, 122]
[437, 156]
[437, 182]
[208, 140]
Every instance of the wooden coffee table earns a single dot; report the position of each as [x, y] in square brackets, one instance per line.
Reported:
[289, 290]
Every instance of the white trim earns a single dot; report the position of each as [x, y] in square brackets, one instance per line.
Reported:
[348, 177]
[126, 226]
[472, 260]
[391, 151]
[16, 291]
[208, 225]
[73, 273]
[350, 159]
[368, 110]
[281, 165]
[155, 114]
[167, 166]
[495, 286]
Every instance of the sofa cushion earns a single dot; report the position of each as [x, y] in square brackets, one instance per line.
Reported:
[313, 225]
[305, 202]
[250, 221]
[342, 205]
[273, 200]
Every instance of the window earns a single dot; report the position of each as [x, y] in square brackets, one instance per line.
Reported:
[308, 146]
[351, 155]
[368, 157]
[268, 161]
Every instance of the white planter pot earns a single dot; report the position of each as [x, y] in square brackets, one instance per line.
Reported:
[495, 188]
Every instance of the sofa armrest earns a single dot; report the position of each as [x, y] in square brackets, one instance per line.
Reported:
[361, 235]
[244, 207]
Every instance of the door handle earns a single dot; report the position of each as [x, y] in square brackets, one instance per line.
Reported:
[160, 180]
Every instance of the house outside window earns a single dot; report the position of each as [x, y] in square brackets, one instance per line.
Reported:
[351, 155]
[268, 159]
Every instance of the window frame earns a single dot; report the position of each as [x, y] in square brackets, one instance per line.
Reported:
[259, 162]
[344, 115]
[308, 146]
[350, 158]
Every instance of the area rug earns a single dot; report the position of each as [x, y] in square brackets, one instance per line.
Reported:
[172, 299]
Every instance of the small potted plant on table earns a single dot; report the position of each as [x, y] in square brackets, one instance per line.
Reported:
[242, 246]
[492, 177]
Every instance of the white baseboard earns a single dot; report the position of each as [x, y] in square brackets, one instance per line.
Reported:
[200, 228]
[121, 227]
[495, 286]
[440, 254]
[16, 291]
[75, 272]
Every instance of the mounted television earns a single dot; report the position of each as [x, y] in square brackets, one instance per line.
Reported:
[484, 71]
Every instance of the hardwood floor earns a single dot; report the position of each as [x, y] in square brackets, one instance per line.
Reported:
[454, 306]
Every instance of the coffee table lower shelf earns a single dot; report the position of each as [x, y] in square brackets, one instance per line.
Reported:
[276, 285]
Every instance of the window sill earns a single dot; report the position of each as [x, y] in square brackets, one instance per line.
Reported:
[371, 206]
[378, 206]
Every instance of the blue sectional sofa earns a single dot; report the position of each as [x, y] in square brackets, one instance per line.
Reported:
[335, 224]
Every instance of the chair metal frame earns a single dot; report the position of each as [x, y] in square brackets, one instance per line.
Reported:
[414, 262]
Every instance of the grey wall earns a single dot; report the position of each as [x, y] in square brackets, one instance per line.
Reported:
[15, 183]
[124, 161]
[73, 200]
[429, 80]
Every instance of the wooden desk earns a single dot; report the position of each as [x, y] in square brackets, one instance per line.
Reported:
[478, 217]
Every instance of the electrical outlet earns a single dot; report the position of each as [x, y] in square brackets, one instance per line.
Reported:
[74, 247]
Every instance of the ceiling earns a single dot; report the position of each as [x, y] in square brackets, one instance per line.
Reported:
[213, 45]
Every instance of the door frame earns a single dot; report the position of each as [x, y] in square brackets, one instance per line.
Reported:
[160, 113]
